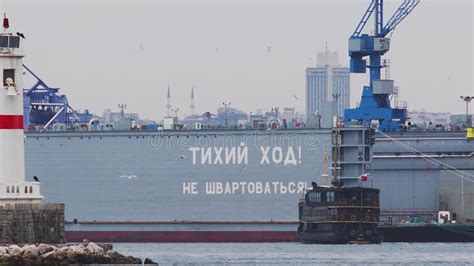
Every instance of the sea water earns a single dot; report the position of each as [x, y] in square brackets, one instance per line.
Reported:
[300, 254]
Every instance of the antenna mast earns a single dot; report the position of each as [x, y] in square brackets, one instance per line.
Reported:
[325, 168]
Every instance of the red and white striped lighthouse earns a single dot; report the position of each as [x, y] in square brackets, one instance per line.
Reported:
[13, 186]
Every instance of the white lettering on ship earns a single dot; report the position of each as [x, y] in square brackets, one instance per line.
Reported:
[240, 187]
[240, 155]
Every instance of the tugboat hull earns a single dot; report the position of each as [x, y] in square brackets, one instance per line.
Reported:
[340, 233]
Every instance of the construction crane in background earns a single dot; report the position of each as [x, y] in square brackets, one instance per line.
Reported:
[375, 102]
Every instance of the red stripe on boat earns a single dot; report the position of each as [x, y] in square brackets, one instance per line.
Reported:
[182, 236]
[11, 122]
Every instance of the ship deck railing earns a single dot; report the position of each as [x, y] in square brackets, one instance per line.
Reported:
[84, 128]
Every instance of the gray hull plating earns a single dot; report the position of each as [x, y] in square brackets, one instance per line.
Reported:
[180, 176]
[230, 176]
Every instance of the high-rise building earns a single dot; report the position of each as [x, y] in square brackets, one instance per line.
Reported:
[327, 82]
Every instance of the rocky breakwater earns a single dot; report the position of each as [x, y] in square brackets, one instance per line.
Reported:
[65, 254]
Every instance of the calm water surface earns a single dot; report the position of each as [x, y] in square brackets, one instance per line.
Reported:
[299, 254]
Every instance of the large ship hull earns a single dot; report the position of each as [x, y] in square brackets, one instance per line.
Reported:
[242, 185]
[184, 232]
[429, 233]
[402, 233]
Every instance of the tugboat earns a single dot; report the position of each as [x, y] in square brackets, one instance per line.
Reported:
[340, 215]
[337, 214]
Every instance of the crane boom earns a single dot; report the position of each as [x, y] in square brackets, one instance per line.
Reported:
[402, 12]
[375, 103]
[365, 18]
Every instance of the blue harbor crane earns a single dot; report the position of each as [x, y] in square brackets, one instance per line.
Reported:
[375, 102]
[43, 105]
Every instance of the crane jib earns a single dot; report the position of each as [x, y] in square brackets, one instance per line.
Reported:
[377, 5]
[375, 103]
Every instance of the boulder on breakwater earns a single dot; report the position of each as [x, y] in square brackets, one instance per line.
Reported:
[65, 254]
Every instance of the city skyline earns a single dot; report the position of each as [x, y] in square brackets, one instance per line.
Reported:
[255, 63]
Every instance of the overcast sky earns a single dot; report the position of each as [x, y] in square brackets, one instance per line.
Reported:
[101, 53]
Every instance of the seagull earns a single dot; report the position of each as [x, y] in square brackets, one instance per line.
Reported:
[183, 157]
[129, 177]
[296, 98]
[35, 178]
[21, 35]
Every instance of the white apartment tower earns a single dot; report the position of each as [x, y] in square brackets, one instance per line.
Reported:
[327, 82]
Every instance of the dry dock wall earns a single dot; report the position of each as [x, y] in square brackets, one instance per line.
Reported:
[32, 223]
[457, 195]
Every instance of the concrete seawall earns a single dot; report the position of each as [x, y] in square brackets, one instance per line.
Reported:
[32, 223]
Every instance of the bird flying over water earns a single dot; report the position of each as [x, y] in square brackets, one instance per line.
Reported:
[129, 177]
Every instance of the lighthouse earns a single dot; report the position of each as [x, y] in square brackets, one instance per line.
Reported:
[13, 185]
[24, 219]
